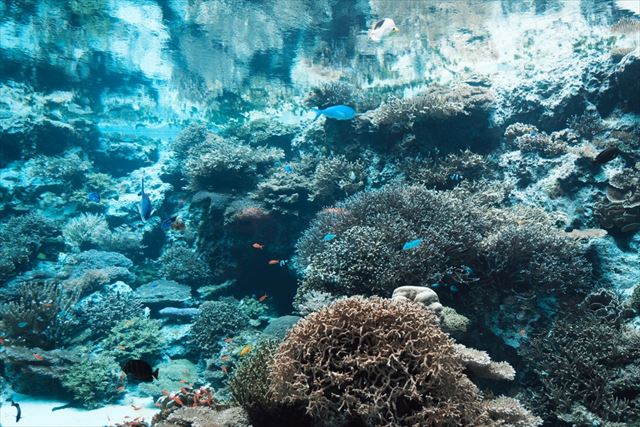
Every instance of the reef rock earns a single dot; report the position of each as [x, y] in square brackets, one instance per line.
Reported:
[163, 292]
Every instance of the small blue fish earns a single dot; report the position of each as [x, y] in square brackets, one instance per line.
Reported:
[167, 223]
[412, 244]
[144, 206]
[454, 288]
[456, 177]
[338, 112]
[435, 285]
[287, 168]
[468, 270]
[94, 197]
[328, 237]
[23, 324]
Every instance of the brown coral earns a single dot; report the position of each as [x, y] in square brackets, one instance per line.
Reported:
[378, 361]
[621, 208]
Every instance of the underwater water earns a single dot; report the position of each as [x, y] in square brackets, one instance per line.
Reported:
[323, 213]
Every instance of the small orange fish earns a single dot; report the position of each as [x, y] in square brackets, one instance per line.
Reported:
[177, 400]
[257, 246]
[121, 347]
[224, 358]
[184, 390]
[2, 341]
[184, 381]
[228, 340]
[178, 225]
[224, 370]
[37, 356]
[47, 305]
[263, 297]
[274, 261]
[245, 350]
[158, 405]
[165, 392]
[121, 388]
[136, 408]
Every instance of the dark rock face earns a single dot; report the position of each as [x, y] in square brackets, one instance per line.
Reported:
[119, 155]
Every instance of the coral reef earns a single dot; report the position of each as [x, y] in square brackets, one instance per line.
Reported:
[183, 265]
[620, 211]
[447, 172]
[528, 139]
[187, 397]
[94, 381]
[217, 320]
[135, 338]
[350, 363]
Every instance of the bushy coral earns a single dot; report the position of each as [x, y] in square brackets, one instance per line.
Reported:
[528, 139]
[226, 163]
[40, 314]
[250, 386]
[585, 360]
[463, 238]
[135, 338]
[217, 320]
[447, 172]
[375, 362]
[336, 178]
[93, 381]
[283, 193]
[191, 136]
[102, 312]
[86, 231]
[184, 265]
[620, 210]
[21, 237]
[67, 171]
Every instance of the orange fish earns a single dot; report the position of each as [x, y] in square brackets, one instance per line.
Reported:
[47, 305]
[121, 347]
[274, 261]
[257, 246]
[245, 350]
[263, 297]
[184, 390]
[165, 392]
[224, 370]
[177, 400]
[228, 340]
[37, 356]
[184, 381]
[224, 358]
[121, 388]
[178, 225]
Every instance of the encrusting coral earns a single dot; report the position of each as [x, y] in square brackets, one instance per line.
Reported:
[376, 362]
[135, 338]
[620, 210]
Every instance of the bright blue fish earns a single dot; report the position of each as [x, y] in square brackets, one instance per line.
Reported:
[412, 244]
[456, 177]
[436, 285]
[144, 207]
[338, 112]
[94, 197]
[22, 324]
[287, 168]
[328, 237]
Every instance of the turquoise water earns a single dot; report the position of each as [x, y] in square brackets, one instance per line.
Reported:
[452, 242]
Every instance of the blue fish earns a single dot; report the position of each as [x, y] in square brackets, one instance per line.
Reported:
[453, 288]
[338, 112]
[23, 324]
[468, 270]
[144, 207]
[412, 244]
[435, 285]
[94, 197]
[328, 237]
[287, 168]
[167, 223]
[456, 177]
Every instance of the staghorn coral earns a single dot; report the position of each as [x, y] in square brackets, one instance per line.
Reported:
[21, 237]
[447, 172]
[308, 301]
[335, 178]
[528, 139]
[62, 172]
[217, 319]
[93, 381]
[101, 313]
[191, 136]
[40, 314]
[225, 163]
[508, 412]
[464, 239]
[480, 364]
[375, 362]
[184, 265]
[135, 338]
[283, 193]
[584, 360]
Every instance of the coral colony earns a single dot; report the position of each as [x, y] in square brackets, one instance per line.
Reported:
[324, 213]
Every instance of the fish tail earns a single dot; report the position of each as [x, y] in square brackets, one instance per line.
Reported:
[154, 374]
[318, 113]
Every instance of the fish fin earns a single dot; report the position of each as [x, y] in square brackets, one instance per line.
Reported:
[154, 374]
[139, 193]
[318, 113]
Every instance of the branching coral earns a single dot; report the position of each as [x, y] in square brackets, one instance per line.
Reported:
[585, 360]
[283, 193]
[621, 209]
[335, 178]
[94, 381]
[66, 172]
[463, 239]
[447, 172]
[135, 338]
[40, 314]
[21, 237]
[87, 231]
[375, 362]
[184, 265]
[217, 319]
[104, 311]
[528, 139]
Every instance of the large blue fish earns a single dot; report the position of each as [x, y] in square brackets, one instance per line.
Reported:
[338, 112]
[412, 244]
[144, 207]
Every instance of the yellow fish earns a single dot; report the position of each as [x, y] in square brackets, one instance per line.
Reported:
[245, 350]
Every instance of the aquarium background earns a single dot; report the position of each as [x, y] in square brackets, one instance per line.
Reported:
[463, 252]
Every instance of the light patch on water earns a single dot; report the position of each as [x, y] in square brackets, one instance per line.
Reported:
[631, 5]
